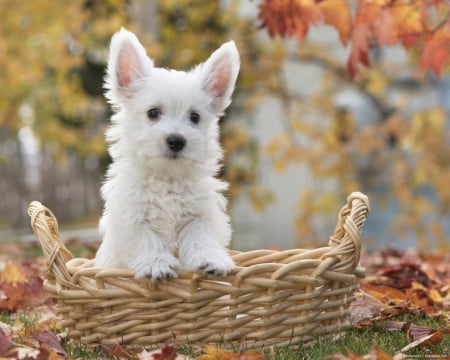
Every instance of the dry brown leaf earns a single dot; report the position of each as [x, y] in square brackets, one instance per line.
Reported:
[167, 352]
[435, 296]
[385, 294]
[11, 274]
[214, 353]
[421, 336]
[116, 351]
[365, 307]
[50, 341]
[5, 344]
[424, 341]
[12, 297]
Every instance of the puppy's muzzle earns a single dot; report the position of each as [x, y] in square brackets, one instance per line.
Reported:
[176, 142]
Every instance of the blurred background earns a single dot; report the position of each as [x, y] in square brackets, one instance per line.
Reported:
[299, 136]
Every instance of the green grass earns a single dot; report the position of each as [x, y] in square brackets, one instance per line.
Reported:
[358, 341]
[77, 350]
[6, 318]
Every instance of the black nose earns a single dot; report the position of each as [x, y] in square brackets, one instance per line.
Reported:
[176, 142]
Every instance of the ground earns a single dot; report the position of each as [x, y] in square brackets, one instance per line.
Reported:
[402, 311]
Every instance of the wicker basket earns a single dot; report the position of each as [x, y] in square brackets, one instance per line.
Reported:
[273, 297]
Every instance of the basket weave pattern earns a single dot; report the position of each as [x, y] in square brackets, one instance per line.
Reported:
[272, 297]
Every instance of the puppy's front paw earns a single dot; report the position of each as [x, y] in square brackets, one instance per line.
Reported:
[158, 268]
[214, 264]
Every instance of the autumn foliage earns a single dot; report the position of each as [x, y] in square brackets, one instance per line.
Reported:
[420, 24]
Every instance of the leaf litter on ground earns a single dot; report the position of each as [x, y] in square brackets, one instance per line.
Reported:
[405, 282]
[397, 283]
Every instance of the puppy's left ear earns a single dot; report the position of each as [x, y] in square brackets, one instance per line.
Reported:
[219, 75]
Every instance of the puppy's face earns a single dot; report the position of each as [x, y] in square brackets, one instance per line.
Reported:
[165, 114]
[170, 117]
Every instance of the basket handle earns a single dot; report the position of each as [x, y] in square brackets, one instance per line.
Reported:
[45, 227]
[346, 240]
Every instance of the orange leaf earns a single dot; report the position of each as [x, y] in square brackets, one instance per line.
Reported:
[359, 53]
[386, 294]
[214, 353]
[422, 300]
[365, 24]
[12, 275]
[336, 13]
[384, 27]
[393, 20]
[409, 23]
[435, 296]
[436, 50]
[418, 286]
[434, 338]
[293, 17]
[12, 298]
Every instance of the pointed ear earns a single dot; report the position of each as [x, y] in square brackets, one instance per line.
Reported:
[128, 64]
[219, 75]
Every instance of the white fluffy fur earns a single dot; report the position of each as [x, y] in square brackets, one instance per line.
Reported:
[164, 210]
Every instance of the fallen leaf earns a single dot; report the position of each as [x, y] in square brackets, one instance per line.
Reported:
[11, 274]
[115, 351]
[21, 286]
[416, 332]
[12, 297]
[5, 344]
[214, 353]
[385, 294]
[409, 23]
[404, 275]
[364, 307]
[421, 301]
[167, 352]
[434, 295]
[36, 293]
[424, 341]
[8, 350]
[417, 286]
[421, 336]
[50, 341]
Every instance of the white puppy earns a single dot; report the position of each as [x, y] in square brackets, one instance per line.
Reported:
[164, 209]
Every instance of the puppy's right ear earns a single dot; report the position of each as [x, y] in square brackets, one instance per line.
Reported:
[128, 65]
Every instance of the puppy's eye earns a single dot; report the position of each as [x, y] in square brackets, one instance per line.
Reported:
[194, 117]
[154, 113]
